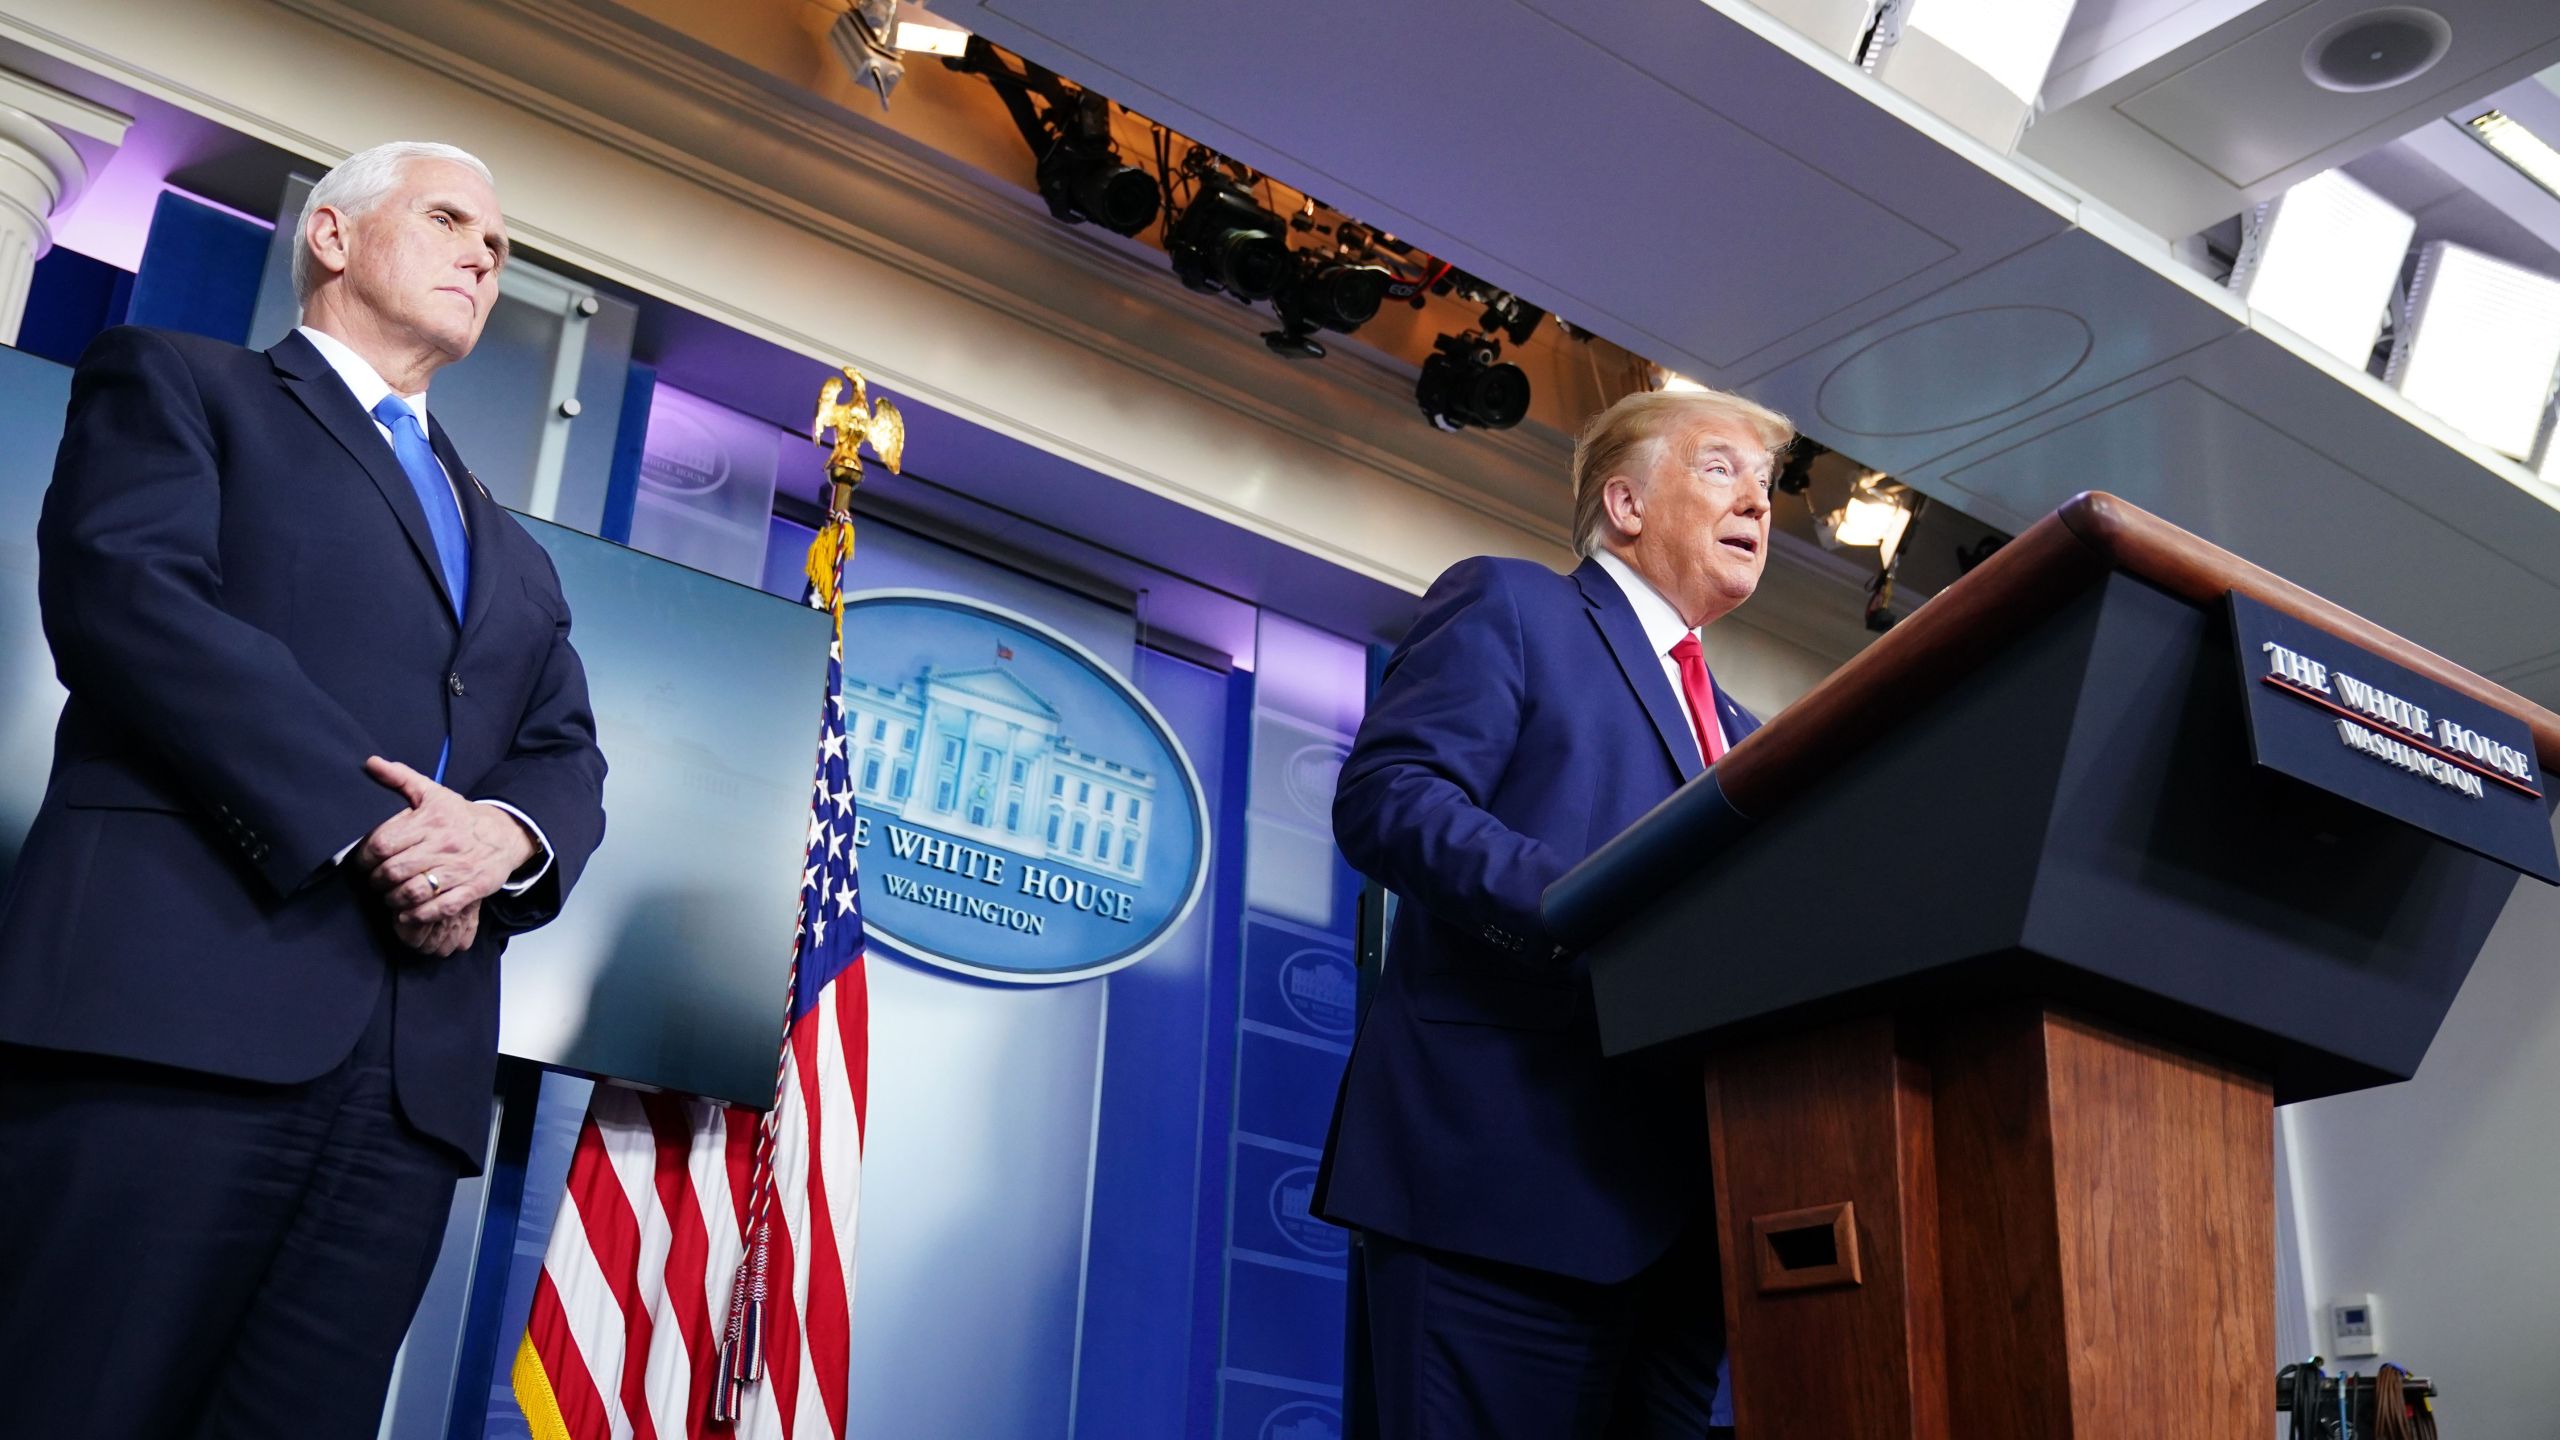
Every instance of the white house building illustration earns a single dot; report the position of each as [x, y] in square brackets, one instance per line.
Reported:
[978, 755]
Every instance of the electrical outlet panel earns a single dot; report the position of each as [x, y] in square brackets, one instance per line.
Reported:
[2355, 1327]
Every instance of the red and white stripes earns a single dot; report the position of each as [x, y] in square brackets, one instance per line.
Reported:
[635, 1284]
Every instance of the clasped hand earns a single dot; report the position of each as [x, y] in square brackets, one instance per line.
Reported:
[469, 848]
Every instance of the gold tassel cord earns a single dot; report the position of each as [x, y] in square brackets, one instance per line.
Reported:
[830, 550]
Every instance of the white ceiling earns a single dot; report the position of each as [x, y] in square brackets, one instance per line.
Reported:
[1701, 184]
[2180, 114]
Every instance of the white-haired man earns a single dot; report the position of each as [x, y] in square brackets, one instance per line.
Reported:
[1540, 1262]
[327, 746]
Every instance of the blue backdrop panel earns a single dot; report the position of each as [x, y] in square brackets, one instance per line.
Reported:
[71, 299]
[1285, 1087]
[1283, 1319]
[1286, 1293]
[1154, 1144]
[1267, 1412]
[1274, 1190]
[200, 269]
[1300, 981]
[631, 432]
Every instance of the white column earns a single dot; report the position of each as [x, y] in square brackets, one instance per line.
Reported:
[42, 171]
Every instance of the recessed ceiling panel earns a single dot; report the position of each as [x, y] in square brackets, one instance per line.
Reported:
[1897, 385]
[2251, 110]
[2063, 319]
[1837, 123]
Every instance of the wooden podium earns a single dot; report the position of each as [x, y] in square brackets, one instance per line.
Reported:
[1998, 950]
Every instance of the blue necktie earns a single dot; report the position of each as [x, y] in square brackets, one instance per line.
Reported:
[435, 494]
[444, 513]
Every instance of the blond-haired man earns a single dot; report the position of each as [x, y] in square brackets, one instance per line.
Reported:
[1538, 1262]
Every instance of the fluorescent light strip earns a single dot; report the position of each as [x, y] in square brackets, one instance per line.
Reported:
[2532, 156]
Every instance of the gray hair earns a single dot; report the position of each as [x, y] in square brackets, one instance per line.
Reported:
[360, 182]
[1628, 436]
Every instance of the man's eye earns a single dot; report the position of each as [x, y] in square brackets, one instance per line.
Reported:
[442, 219]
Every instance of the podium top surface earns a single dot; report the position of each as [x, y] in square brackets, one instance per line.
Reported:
[1950, 638]
[2025, 581]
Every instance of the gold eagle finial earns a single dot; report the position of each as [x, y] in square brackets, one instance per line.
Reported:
[855, 421]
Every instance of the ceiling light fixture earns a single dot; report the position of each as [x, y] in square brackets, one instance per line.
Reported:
[1877, 514]
[1324, 293]
[862, 37]
[2479, 345]
[2011, 41]
[1224, 241]
[2321, 260]
[929, 34]
[1082, 178]
[2510, 141]
[1466, 382]
[1077, 169]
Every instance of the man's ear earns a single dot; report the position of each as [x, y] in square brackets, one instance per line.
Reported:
[327, 237]
[1622, 500]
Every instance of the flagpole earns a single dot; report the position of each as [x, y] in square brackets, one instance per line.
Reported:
[740, 1360]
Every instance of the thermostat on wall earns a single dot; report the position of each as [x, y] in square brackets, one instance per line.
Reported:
[2354, 1327]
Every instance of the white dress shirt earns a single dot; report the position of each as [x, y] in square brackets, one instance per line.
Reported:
[1662, 630]
[368, 386]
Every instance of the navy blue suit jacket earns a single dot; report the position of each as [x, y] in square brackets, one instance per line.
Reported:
[1521, 725]
[243, 600]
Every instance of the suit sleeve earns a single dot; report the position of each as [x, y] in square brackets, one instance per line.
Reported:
[130, 585]
[553, 773]
[1410, 810]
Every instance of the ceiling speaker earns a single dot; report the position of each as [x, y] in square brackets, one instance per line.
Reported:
[2377, 49]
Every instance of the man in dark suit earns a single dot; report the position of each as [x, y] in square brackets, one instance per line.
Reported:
[327, 747]
[1539, 1259]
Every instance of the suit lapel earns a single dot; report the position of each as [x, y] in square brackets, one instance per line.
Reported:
[1616, 620]
[482, 517]
[1738, 722]
[307, 375]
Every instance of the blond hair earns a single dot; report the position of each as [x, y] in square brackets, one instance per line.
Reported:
[1624, 440]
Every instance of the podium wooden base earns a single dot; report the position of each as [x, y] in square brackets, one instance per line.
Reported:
[2007, 1226]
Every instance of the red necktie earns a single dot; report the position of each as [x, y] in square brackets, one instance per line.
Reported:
[1702, 697]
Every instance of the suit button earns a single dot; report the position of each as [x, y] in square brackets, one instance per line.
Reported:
[453, 682]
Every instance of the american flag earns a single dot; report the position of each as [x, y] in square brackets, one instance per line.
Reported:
[656, 1315]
